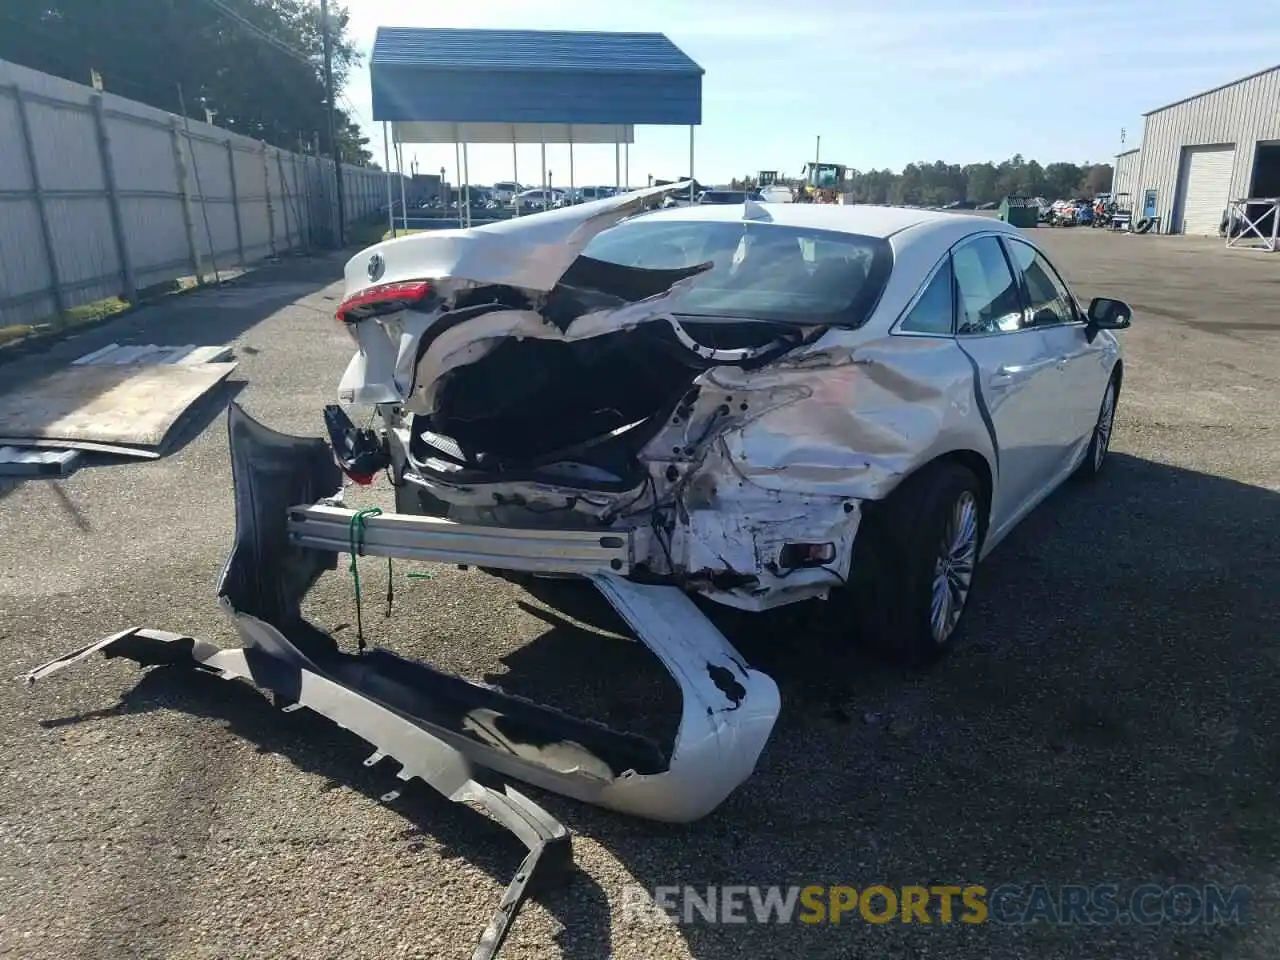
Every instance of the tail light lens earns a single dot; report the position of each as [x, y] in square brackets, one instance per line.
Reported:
[384, 298]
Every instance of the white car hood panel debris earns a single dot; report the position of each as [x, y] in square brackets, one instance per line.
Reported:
[531, 253]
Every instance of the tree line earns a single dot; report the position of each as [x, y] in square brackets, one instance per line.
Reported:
[937, 184]
[253, 66]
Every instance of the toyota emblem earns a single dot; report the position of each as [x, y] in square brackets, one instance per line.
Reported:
[376, 266]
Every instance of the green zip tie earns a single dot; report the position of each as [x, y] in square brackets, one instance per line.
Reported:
[355, 540]
[415, 575]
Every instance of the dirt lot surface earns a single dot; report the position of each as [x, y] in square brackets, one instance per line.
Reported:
[1112, 719]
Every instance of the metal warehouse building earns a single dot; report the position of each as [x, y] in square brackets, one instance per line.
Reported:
[1201, 153]
[1124, 182]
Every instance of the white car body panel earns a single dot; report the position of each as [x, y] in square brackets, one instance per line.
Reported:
[528, 252]
[845, 417]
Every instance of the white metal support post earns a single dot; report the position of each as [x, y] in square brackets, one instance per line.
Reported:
[404, 207]
[617, 166]
[626, 164]
[466, 181]
[457, 165]
[691, 196]
[546, 200]
[571, 184]
[515, 171]
[386, 165]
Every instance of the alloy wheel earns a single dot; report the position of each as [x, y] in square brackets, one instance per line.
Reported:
[954, 567]
[1102, 432]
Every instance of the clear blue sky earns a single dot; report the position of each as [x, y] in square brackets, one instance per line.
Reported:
[884, 83]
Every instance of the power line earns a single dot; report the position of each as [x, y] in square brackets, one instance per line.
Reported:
[260, 33]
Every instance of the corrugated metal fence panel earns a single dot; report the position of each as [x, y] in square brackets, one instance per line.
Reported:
[140, 142]
[251, 182]
[1242, 113]
[14, 174]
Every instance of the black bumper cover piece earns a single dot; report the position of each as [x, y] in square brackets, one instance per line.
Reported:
[261, 586]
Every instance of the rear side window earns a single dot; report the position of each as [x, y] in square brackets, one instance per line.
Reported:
[934, 310]
[987, 297]
[756, 270]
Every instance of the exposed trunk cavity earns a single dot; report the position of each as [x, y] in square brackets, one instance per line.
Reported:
[530, 402]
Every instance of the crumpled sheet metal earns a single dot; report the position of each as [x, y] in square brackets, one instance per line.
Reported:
[870, 414]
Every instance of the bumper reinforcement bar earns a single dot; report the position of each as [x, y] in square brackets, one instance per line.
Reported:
[325, 527]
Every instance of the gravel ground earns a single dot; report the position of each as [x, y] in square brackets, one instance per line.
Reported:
[1111, 720]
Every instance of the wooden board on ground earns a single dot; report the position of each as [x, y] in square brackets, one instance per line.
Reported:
[131, 407]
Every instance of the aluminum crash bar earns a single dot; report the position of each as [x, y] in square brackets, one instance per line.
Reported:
[328, 527]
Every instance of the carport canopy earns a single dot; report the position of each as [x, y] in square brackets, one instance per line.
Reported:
[435, 86]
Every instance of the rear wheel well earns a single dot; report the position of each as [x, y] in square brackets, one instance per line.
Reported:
[977, 463]
[970, 459]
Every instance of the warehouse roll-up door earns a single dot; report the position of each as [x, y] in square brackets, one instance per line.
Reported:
[1204, 183]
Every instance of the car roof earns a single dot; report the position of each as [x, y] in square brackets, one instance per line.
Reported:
[907, 225]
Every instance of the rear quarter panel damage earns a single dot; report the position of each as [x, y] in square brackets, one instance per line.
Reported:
[793, 449]
[844, 419]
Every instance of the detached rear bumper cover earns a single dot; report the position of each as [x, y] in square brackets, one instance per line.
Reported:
[285, 541]
[443, 729]
[420, 755]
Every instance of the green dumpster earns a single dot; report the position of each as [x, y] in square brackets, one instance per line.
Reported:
[1020, 211]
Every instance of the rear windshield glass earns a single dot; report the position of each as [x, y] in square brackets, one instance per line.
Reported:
[757, 270]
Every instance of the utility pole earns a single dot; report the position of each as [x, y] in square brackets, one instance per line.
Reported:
[333, 140]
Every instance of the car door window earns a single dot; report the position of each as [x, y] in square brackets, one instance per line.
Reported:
[1050, 301]
[987, 295]
[933, 312]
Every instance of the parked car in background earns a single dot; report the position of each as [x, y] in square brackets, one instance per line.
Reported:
[506, 191]
[538, 199]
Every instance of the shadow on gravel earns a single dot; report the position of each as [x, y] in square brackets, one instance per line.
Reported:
[316, 746]
[1110, 720]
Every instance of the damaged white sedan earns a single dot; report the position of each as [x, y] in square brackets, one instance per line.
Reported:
[761, 404]
[747, 394]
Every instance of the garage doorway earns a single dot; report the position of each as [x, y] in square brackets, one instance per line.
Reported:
[1264, 184]
[1204, 188]
[1265, 181]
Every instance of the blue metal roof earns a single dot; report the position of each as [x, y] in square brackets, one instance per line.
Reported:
[560, 50]
[533, 76]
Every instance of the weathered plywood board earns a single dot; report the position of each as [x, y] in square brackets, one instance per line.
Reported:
[119, 405]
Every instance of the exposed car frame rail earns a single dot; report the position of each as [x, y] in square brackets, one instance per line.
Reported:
[410, 537]
[420, 755]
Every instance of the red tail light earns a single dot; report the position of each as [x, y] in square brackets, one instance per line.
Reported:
[384, 298]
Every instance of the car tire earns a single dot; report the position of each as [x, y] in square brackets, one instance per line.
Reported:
[925, 536]
[1095, 458]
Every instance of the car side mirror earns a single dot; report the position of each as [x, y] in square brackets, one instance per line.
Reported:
[1108, 314]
